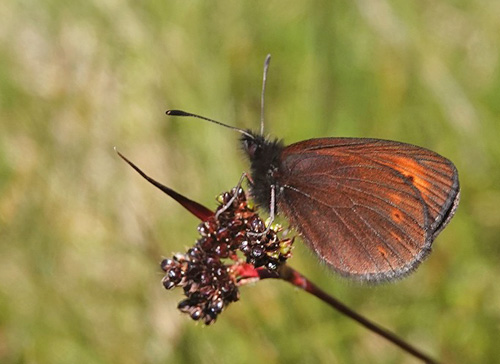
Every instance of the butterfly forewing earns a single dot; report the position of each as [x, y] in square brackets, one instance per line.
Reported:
[369, 208]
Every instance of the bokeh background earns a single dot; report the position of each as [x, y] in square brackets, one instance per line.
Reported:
[81, 234]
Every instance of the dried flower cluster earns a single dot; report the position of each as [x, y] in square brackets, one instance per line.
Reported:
[211, 271]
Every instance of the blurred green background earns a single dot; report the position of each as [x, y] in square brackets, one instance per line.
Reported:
[82, 234]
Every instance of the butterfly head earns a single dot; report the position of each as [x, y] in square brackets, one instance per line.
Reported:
[265, 160]
[252, 144]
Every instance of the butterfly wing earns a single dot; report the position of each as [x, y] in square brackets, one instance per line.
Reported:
[369, 208]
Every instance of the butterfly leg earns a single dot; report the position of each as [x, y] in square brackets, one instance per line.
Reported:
[272, 214]
[230, 202]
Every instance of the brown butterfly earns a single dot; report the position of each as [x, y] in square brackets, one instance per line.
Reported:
[369, 208]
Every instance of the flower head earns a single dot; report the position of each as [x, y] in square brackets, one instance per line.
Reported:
[233, 244]
[235, 247]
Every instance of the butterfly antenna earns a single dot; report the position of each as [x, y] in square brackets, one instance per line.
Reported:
[264, 80]
[184, 113]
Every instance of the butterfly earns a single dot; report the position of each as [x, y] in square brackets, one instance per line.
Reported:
[369, 208]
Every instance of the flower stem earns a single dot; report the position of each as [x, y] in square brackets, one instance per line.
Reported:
[292, 276]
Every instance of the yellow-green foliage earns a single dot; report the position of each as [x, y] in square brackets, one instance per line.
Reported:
[81, 234]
